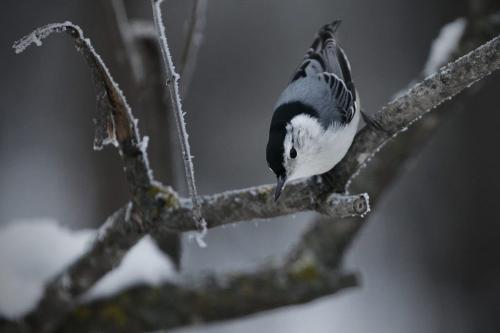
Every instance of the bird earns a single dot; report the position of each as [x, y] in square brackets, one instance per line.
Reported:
[316, 116]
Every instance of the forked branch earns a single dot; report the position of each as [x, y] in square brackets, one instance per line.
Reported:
[316, 260]
[312, 270]
[153, 202]
[171, 213]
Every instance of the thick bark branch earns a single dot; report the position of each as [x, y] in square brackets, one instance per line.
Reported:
[404, 111]
[147, 309]
[258, 203]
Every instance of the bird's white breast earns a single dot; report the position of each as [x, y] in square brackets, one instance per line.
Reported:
[319, 150]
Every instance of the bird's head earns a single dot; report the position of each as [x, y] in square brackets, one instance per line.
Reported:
[292, 147]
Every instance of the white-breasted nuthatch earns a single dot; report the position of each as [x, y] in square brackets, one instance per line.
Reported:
[316, 116]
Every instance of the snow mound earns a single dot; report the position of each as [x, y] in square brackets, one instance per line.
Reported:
[34, 251]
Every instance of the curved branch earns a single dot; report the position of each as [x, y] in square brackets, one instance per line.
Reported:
[397, 116]
[114, 123]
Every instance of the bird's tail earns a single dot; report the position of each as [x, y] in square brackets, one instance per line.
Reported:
[325, 55]
[326, 35]
[331, 28]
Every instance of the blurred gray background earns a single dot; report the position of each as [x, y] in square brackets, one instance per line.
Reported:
[430, 255]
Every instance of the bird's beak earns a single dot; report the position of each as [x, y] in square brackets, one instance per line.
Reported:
[279, 187]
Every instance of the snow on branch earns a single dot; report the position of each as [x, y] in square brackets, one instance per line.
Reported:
[173, 87]
[114, 123]
[445, 45]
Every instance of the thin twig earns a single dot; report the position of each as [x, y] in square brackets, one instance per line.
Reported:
[127, 37]
[189, 57]
[173, 86]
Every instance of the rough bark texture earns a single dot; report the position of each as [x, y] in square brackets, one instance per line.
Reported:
[401, 113]
[212, 299]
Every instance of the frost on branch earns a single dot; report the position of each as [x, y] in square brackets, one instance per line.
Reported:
[173, 87]
[114, 123]
[107, 91]
[36, 36]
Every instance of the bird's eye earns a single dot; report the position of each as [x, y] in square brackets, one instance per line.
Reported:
[293, 153]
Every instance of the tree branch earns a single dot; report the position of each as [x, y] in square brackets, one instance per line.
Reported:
[114, 125]
[147, 309]
[397, 116]
[154, 202]
[173, 214]
[320, 250]
[173, 87]
[114, 121]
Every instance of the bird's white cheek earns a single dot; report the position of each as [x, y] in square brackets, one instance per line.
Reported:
[301, 168]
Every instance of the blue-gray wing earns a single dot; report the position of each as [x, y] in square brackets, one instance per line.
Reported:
[326, 61]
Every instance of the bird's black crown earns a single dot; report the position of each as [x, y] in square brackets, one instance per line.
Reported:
[281, 117]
